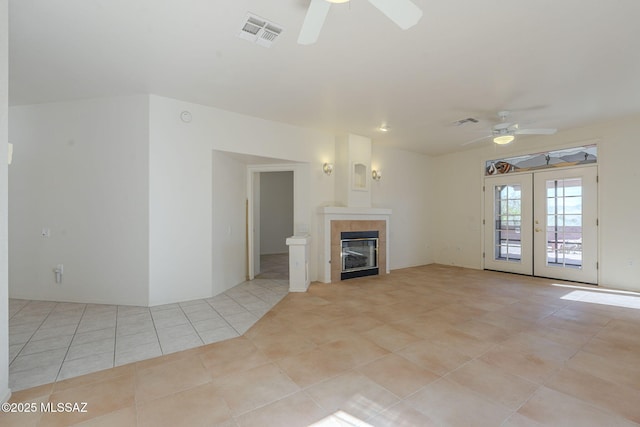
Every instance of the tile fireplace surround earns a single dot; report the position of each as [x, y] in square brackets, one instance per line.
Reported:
[340, 226]
[335, 220]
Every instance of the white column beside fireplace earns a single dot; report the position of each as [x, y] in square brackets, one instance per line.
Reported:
[336, 213]
[299, 263]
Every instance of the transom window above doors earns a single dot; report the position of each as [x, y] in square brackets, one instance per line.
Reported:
[584, 155]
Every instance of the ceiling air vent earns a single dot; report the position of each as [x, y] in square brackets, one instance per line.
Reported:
[259, 30]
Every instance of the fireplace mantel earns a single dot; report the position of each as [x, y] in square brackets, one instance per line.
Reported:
[339, 213]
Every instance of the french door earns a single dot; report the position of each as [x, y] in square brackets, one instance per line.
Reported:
[543, 224]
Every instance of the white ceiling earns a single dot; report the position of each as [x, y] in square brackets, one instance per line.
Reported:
[555, 63]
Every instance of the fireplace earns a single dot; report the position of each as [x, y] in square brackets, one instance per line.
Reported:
[359, 254]
[337, 220]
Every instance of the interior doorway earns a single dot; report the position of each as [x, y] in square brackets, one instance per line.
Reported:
[543, 223]
[275, 221]
[296, 195]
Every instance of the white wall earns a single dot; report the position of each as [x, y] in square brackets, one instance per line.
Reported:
[80, 170]
[182, 199]
[4, 211]
[180, 208]
[456, 209]
[276, 211]
[351, 150]
[406, 187]
[129, 193]
[229, 251]
[458, 198]
[186, 194]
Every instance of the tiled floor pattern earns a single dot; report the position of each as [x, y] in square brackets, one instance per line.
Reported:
[51, 341]
[424, 346]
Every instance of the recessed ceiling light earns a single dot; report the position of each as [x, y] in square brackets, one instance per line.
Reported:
[384, 128]
[337, 1]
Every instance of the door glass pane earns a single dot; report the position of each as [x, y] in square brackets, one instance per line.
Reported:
[507, 237]
[573, 205]
[564, 223]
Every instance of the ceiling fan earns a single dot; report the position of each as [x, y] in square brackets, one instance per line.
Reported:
[403, 12]
[505, 132]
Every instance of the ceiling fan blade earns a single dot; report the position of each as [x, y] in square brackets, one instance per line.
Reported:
[313, 21]
[473, 141]
[535, 131]
[403, 12]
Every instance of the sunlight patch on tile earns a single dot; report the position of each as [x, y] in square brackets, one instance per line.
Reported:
[624, 300]
[340, 419]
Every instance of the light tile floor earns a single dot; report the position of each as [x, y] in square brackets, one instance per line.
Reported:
[423, 346]
[53, 341]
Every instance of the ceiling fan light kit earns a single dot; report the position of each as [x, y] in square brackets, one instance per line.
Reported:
[503, 139]
[504, 132]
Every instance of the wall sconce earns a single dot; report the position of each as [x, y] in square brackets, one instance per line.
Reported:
[376, 175]
[327, 168]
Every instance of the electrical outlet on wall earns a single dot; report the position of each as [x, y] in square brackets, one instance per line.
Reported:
[59, 271]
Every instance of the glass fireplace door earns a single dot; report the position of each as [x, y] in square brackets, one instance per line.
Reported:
[359, 254]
